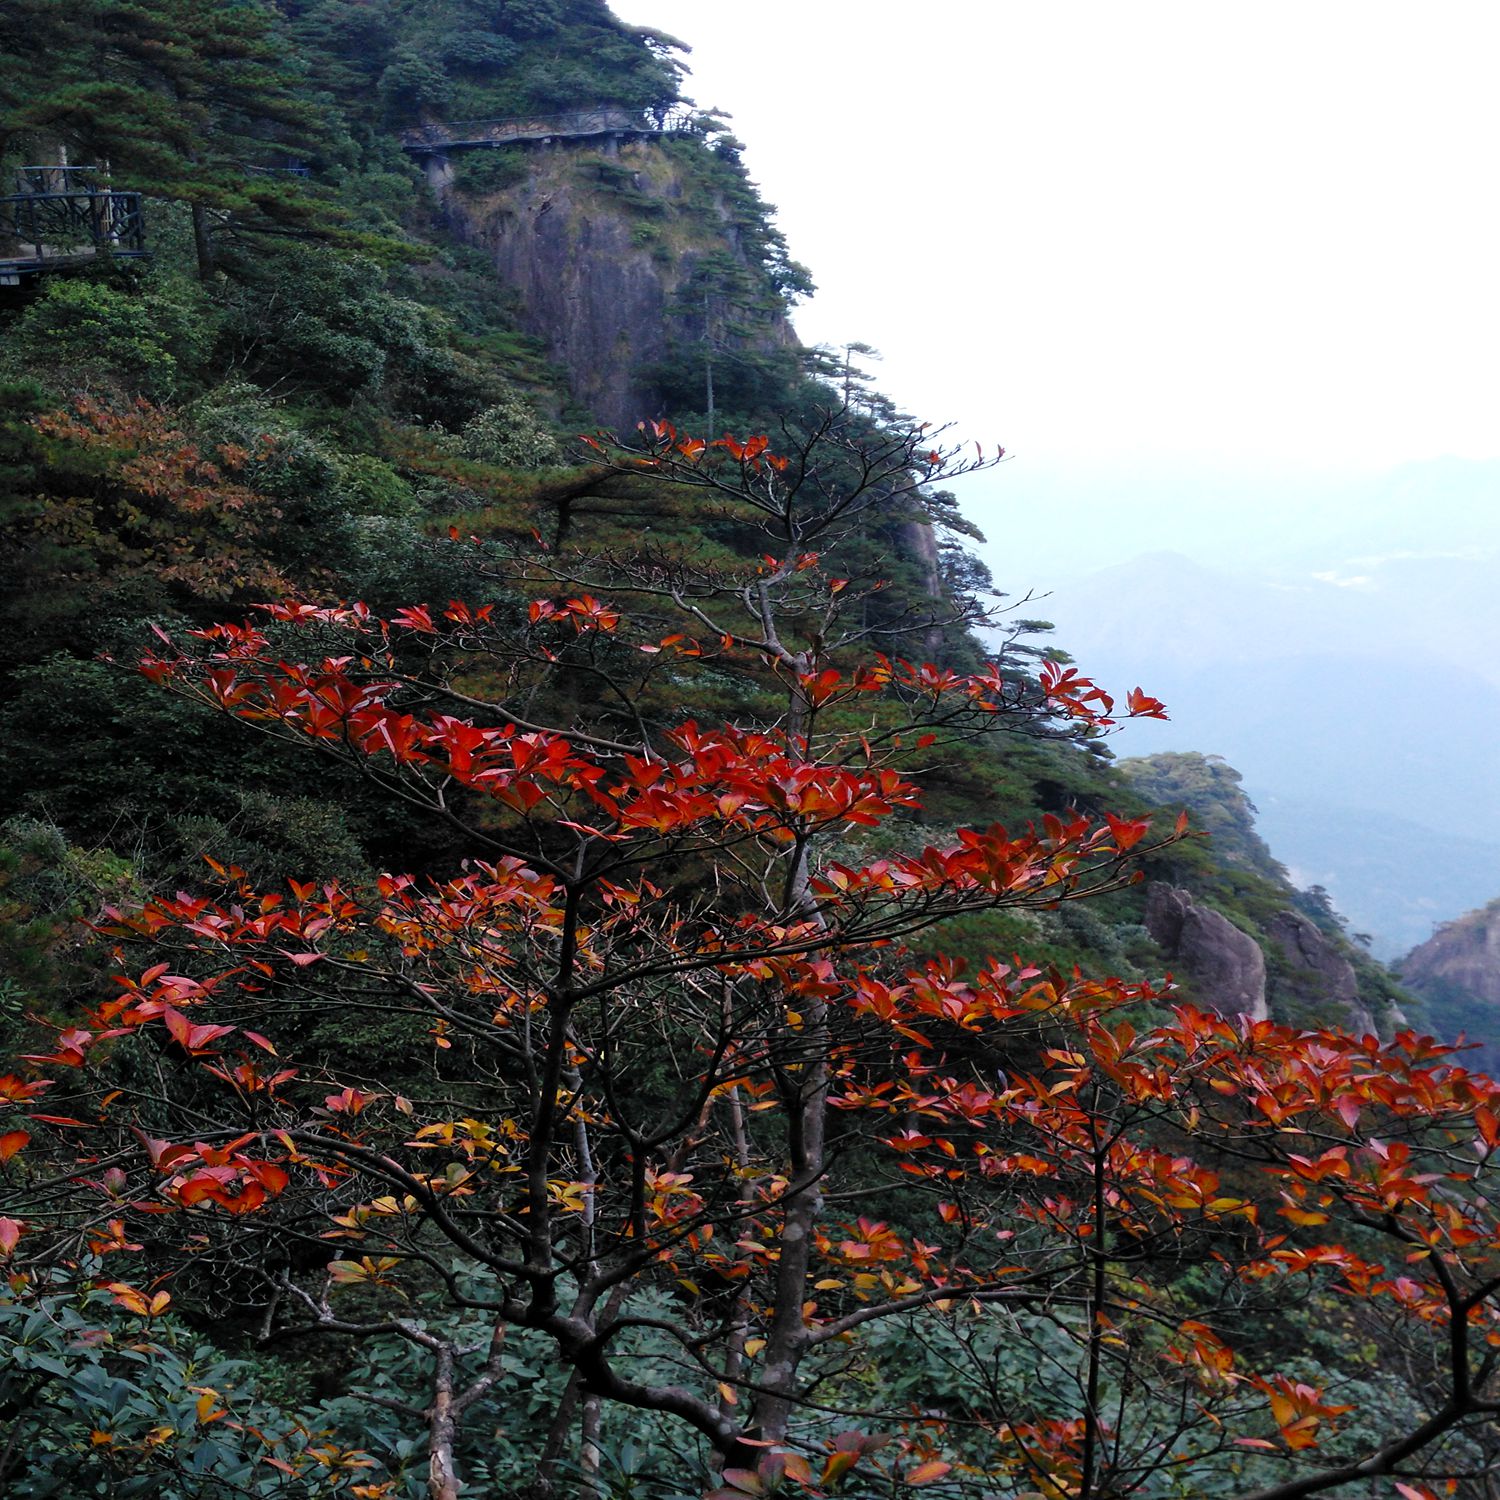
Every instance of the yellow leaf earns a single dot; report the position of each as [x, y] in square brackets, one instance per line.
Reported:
[837, 1466]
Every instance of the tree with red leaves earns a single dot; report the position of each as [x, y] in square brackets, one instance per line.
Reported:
[677, 1073]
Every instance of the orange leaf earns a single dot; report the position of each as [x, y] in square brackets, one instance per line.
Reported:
[933, 1469]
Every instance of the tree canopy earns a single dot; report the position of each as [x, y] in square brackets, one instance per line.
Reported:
[675, 1093]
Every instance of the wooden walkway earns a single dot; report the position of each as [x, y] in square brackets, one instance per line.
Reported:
[581, 124]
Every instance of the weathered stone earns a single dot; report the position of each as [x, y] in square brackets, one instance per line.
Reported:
[1456, 972]
[1224, 967]
[1326, 977]
[587, 282]
[1463, 955]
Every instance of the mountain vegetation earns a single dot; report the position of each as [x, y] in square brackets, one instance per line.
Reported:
[548, 954]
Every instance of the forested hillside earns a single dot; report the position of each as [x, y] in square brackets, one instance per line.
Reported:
[542, 947]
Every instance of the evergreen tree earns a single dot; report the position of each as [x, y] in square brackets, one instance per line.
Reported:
[191, 100]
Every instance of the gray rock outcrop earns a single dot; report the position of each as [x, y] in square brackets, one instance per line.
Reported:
[1224, 967]
[1463, 955]
[590, 279]
[1457, 973]
[1322, 974]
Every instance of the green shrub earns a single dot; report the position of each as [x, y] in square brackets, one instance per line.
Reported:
[414, 82]
[83, 333]
[97, 1400]
[483, 172]
[509, 435]
[369, 486]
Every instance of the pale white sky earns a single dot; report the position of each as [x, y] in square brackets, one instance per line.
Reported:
[1149, 236]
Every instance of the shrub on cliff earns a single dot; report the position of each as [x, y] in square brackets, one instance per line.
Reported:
[509, 435]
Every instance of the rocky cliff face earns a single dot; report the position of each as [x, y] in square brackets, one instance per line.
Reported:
[1309, 980]
[1464, 955]
[1223, 968]
[1457, 972]
[597, 251]
[1305, 973]
[1318, 973]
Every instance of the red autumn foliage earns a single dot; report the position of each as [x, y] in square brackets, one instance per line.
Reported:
[664, 1004]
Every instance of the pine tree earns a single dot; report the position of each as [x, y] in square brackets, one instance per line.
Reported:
[189, 100]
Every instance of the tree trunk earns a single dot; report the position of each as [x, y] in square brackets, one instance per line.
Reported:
[442, 1472]
[203, 243]
[543, 1483]
[589, 1455]
[734, 1357]
[786, 1339]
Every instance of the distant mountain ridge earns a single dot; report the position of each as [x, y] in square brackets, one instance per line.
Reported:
[1356, 690]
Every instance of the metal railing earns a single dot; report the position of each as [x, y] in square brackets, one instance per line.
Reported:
[289, 169]
[49, 226]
